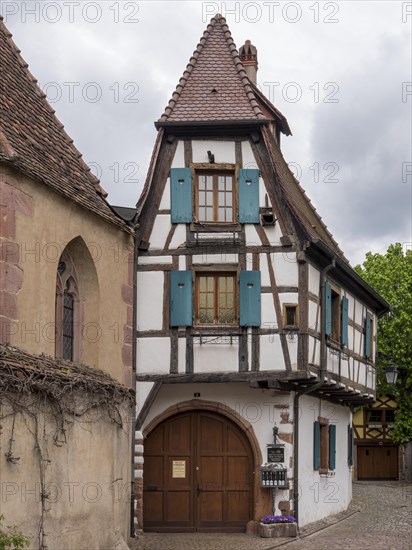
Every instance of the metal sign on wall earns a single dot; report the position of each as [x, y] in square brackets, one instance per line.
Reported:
[276, 454]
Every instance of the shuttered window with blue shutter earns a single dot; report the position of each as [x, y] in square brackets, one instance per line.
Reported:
[367, 346]
[328, 309]
[344, 337]
[180, 298]
[248, 184]
[181, 195]
[250, 298]
[316, 445]
[332, 447]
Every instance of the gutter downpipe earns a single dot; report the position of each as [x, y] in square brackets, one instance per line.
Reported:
[306, 391]
[134, 369]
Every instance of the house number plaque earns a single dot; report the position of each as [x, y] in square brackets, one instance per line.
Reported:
[178, 468]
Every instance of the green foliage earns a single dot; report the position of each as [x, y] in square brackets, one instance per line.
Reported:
[12, 538]
[391, 275]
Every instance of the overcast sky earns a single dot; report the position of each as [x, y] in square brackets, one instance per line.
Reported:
[339, 71]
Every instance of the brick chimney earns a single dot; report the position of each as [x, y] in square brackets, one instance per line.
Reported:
[248, 57]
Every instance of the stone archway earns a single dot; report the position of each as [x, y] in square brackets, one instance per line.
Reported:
[191, 413]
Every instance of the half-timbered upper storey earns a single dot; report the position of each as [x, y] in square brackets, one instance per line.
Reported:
[238, 277]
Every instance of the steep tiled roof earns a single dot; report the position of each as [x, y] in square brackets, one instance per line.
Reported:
[33, 140]
[296, 198]
[214, 86]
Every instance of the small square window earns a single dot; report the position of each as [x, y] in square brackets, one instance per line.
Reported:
[290, 315]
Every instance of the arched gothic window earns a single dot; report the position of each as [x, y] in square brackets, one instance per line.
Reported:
[68, 315]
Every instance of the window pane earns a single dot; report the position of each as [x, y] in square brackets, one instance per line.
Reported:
[215, 198]
[68, 318]
[390, 417]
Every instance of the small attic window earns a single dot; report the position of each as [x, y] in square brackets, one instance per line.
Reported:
[214, 91]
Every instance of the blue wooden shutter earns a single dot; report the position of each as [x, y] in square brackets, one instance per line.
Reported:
[328, 309]
[332, 446]
[248, 195]
[351, 446]
[367, 336]
[344, 322]
[250, 298]
[180, 298]
[181, 195]
[316, 445]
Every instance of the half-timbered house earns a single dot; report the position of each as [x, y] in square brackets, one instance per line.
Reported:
[377, 456]
[250, 320]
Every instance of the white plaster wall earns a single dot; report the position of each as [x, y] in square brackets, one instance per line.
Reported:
[224, 151]
[262, 193]
[273, 233]
[145, 260]
[181, 355]
[165, 201]
[268, 319]
[292, 342]
[153, 355]
[179, 158]
[286, 269]
[215, 259]
[142, 392]
[248, 157]
[347, 368]
[271, 354]
[314, 280]
[322, 496]
[264, 271]
[314, 346]
[161, 228]
[149, 288]
[182, 263]
[359, 313]
[313, 308]
[179, 236]
[215, 357]
[249, 261]
[288, 298]
[332, 362]
[251, 235]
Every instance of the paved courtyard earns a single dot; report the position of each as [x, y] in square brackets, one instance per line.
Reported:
[379, 518]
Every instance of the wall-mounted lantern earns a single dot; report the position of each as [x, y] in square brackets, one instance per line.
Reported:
[391, 374]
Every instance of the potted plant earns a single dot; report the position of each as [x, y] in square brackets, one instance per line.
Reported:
[278, 526]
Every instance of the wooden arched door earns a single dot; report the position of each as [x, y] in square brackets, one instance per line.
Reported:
[198, 475]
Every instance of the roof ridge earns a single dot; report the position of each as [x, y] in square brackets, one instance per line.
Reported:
[192, 63]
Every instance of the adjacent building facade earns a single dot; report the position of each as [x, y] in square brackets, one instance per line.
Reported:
[377, 456]
[66, 301]
[250, 320]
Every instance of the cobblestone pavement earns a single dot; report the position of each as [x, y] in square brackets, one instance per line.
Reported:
[379, 518]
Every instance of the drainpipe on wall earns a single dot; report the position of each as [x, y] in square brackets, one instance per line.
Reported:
[306, 391]
[134, 368]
